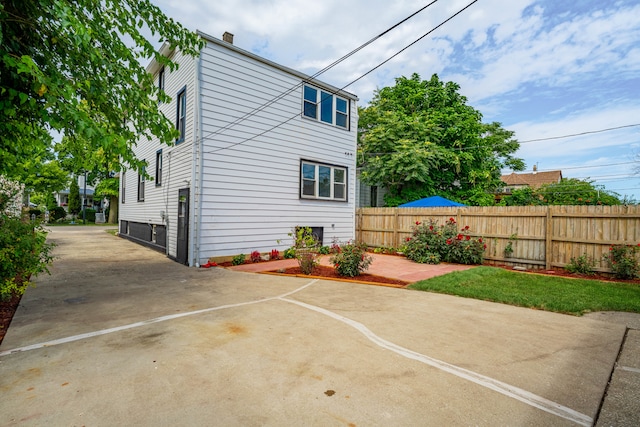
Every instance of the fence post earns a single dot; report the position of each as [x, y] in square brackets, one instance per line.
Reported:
[548, 240]
[395, 228]
[459, 217]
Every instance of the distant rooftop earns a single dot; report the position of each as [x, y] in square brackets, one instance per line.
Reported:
[533, 180]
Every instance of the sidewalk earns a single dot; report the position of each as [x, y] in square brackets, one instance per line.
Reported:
[394, 267]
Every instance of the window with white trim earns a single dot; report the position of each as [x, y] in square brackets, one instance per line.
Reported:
[161, 80]
[123, 178]
[181, 114]
[141, 181]
[324, 106]
[323, 182]
[158, 168]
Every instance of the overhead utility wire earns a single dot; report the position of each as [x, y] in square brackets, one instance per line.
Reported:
[579, 134]
[352, 82]
[311, 78]
[533, 140]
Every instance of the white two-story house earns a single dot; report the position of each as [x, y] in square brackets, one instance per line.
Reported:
[262, 149]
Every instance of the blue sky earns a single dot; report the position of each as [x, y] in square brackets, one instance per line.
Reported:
[542, 68]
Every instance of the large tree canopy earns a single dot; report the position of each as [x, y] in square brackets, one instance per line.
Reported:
[419, 138]
[74, 67]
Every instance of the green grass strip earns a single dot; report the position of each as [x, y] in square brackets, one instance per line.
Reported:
[558, 294]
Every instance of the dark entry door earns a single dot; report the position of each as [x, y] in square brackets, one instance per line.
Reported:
[182, 250]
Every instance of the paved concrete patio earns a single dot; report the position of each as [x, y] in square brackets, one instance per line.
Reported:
[120, 335]
[391, 266]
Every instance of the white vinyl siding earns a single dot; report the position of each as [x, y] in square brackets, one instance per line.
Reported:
[251, 181]
[248, 196]
[176, 159]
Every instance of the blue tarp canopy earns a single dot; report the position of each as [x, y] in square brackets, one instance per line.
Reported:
[431, 202]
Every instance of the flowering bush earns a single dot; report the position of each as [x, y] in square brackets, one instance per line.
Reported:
[275, 254]
[255, 256]
[623, 261]
[351, 260]
[23, 248]
[432, 243]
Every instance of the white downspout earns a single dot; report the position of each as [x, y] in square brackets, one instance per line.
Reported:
[201, 150]
[193, 203]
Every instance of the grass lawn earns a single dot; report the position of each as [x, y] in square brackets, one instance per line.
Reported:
[562, 295]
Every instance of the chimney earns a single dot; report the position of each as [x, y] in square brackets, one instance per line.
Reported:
[535, 168]
[227, 37]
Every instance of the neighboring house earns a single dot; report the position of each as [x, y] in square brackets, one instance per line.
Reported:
[534, 180]
[369, 196]
[87, 198]
[262, 149]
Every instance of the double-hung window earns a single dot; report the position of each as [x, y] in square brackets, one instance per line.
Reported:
[161, 80]
[123, 178]
[181, 114]
[324, 106]
[321, 181]
[141, 181]
[158, 168]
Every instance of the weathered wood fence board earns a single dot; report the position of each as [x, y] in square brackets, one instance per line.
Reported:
[541, 236]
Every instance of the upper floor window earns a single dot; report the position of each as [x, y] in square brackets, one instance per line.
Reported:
[181, 113]
[158, 168]
[325, 106]
[320, 181]
[141, 181]
[161, 79]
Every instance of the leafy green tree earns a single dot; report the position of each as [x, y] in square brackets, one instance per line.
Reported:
[74, 67]
[75, 204]
[522, 197]
[573, 191]
[110, 188]
[419, 138]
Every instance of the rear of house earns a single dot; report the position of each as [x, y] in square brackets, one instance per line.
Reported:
[263, 149]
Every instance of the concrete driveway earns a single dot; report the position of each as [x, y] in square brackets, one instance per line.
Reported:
[120, 335]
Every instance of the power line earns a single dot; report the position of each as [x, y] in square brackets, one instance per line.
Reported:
[311, 78]
[579, 134]
[348, 84]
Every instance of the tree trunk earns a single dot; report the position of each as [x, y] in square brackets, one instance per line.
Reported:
[113, 210]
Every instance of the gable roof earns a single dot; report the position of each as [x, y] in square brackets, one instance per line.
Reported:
[168, 50]
[533, 180]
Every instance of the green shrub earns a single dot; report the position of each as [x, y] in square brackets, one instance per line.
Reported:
[306, 249]
[583, 265]
[432, 243]
[34, 212]
[23, 252]
[352, 259]
[289, 253]
[623, 261]
[89, 215]
[324, 250]
[57, 213]
[238, 259]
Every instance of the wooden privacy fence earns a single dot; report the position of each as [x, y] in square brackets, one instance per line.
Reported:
[541, 236]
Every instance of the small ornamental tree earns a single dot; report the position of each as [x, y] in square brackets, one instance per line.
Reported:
[75, 204]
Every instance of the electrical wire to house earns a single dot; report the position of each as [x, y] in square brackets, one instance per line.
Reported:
[335, 92]
[313, 77]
